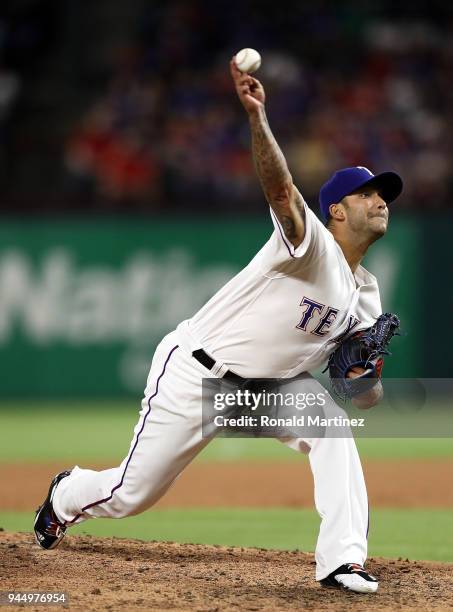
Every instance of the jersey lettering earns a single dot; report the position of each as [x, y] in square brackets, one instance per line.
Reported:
[326, 322]
[310, 311]
[327, 316]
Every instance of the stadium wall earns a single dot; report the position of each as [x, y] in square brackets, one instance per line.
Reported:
[83, 303]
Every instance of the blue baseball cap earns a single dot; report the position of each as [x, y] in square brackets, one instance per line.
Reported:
[347, 180]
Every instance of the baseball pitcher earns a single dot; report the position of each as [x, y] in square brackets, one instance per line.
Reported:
[303, 298]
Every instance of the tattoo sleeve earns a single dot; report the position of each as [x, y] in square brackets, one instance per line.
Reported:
[269, 161]
[275, 178]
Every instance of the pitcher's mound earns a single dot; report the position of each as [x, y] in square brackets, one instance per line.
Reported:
[116, 574]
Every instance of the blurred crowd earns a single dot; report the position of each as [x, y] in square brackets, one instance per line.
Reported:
[27, 31]
[361, 84]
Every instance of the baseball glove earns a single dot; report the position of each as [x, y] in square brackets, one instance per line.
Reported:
[365, 349]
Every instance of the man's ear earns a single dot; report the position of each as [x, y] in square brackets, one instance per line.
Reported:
[336, 211]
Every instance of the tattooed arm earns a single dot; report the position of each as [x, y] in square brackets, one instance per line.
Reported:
[271, 167]
[275, 179]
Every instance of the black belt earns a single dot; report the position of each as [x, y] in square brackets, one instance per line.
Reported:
[208, 362]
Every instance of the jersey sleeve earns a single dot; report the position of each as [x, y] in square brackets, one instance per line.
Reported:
[279, 252]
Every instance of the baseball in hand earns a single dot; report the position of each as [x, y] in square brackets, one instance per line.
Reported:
[248, 60]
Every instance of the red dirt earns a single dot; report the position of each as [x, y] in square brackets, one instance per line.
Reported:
[113, 574]
[392, 484]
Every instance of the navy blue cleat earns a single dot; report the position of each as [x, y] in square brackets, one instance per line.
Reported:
[48, 530]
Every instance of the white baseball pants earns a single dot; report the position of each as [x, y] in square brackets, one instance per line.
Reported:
[168, 436]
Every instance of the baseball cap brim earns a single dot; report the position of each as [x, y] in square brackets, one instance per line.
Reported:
[389, 184]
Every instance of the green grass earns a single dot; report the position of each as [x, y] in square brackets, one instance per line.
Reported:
[101, 431]
[415, 534]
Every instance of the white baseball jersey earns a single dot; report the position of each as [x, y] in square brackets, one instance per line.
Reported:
[284, 313]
